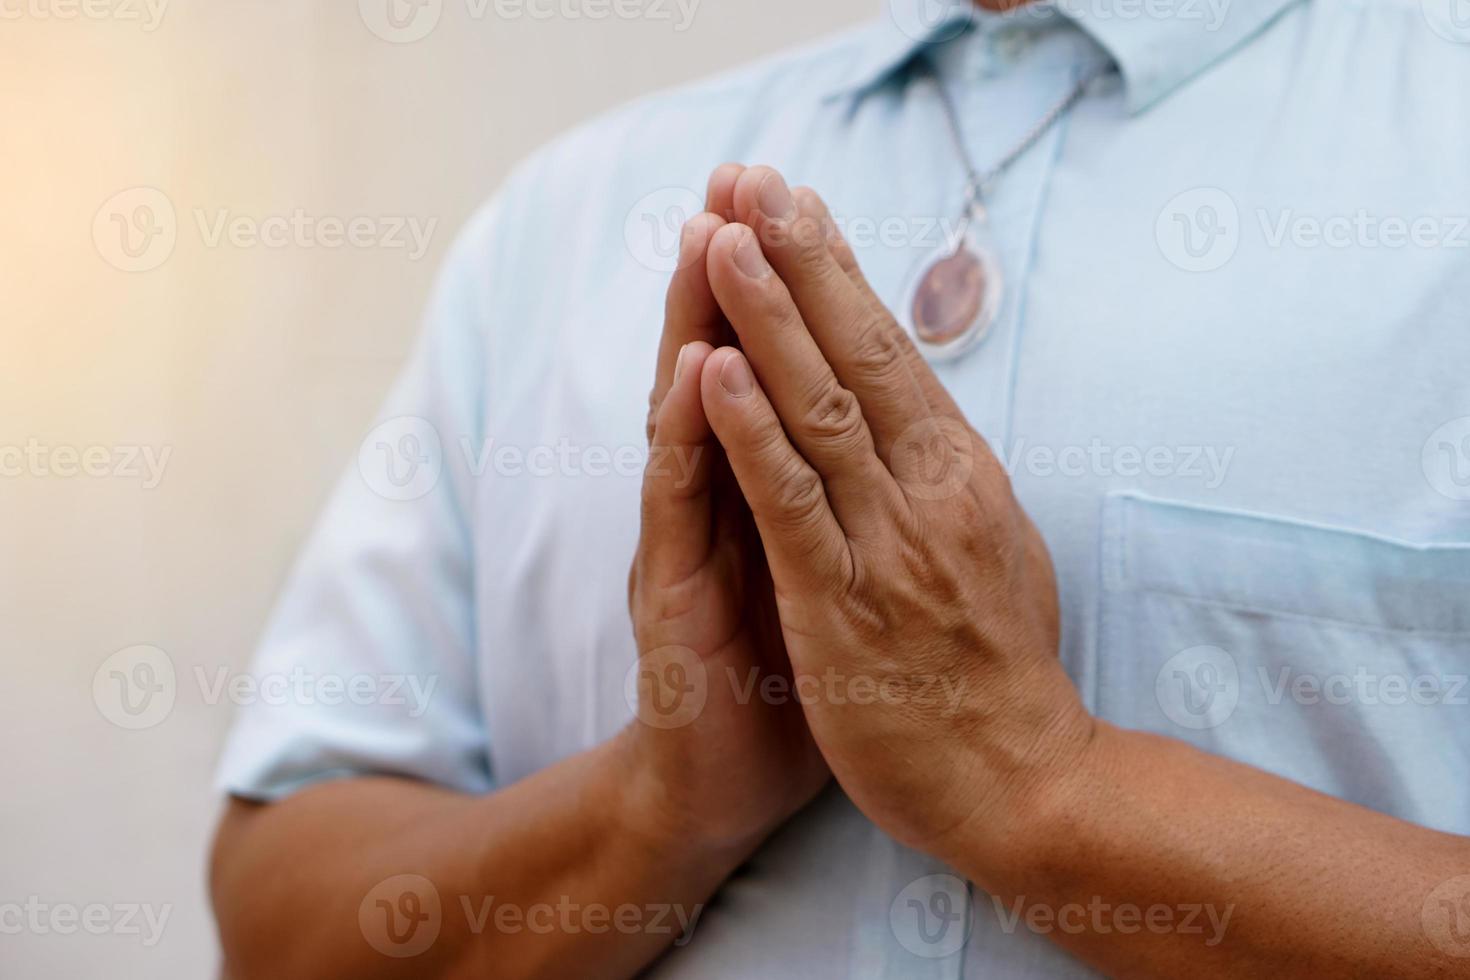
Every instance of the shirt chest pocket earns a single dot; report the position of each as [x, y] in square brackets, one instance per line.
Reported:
[1334, 658]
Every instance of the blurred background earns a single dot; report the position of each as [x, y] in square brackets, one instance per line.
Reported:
[220, 221]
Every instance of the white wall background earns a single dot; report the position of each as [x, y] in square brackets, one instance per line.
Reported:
[256, 368]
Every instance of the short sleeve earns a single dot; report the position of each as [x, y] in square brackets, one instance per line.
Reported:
[368, 663]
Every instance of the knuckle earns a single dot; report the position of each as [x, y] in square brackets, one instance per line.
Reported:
[834, 415]
[798, 494]
[877, 350]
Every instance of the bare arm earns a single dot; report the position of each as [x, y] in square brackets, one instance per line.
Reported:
[530, 880]
[594, 866]
[915, 561]
[1246, 874]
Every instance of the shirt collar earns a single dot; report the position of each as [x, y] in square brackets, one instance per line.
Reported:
[1158, 45]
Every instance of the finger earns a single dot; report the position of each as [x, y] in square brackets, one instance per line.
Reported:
[677, 526]
[822, 418]
[932, 458]
[720, 195]
[810, 203]
[861, 340]
[802, 539]
[690, 311]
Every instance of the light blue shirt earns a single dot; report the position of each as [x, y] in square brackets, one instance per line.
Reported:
[1231, 379]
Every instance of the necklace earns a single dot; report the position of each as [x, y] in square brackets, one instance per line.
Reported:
[954, 300]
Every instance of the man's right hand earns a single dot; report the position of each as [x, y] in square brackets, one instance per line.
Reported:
[657, 816]
[714, 760]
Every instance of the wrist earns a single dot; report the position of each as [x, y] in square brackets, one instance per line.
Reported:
[1026, 803]
[666, 824]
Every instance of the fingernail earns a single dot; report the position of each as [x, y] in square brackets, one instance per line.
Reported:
[775, 198]
[735, 376]
[679, 363]
[749, 260]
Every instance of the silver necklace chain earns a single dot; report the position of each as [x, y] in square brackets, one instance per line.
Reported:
[976, 182]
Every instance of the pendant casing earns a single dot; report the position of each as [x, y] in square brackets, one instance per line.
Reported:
[954, 295]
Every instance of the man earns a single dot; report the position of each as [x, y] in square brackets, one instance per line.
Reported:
[1132, 639]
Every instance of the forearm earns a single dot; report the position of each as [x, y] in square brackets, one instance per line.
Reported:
[1246, 874]
[541, 878]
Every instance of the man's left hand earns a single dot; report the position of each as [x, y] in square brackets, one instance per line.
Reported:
[915, 595]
